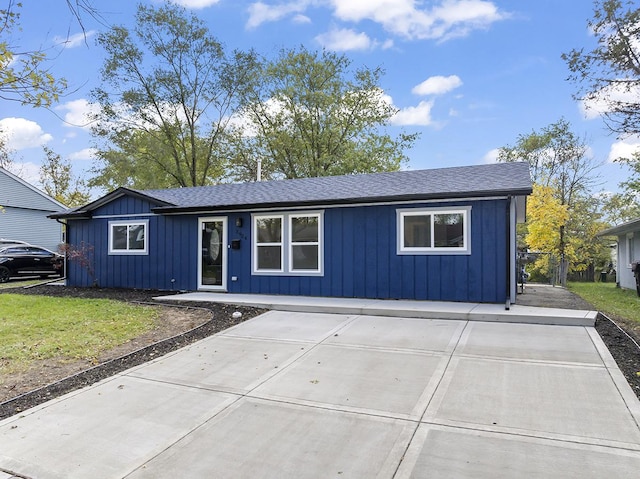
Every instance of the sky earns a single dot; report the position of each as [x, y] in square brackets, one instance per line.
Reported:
[469, 75]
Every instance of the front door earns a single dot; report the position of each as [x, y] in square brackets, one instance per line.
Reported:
[212, 268]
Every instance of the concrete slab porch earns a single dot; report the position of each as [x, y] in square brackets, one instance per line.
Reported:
[408, 309]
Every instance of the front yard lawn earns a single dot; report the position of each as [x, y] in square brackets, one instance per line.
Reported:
[34, 328]
[614, 302]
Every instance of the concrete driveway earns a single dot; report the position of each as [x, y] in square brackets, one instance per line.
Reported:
[311, 395]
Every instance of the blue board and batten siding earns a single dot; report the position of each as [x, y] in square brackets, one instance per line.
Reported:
[172, 254]
[360, 255]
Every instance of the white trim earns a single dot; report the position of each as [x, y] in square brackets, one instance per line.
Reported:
[224, 248]
[286, 260]
[403, 213]
[127, 251]
[317, 243]
[255, 245]
[630, 249]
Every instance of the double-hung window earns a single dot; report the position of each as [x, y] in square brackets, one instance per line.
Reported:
[128, 237]
[304, 243]
[288, 243]
[267, 238]
[434, 231]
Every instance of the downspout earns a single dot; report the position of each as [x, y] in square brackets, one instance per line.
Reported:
[511, 253]
[514, 245]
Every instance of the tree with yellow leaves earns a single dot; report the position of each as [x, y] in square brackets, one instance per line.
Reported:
[562, 213]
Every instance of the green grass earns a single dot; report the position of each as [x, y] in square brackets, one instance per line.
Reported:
[40, 327]
[20, 283]
[612, 301]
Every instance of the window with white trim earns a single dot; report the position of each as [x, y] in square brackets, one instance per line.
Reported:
[630, 250]
[288, 243]
[128, 237]
[434, 230]
[304, 243]
[268, 243]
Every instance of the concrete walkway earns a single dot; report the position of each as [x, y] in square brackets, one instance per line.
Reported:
[308, 395]
[409, 309]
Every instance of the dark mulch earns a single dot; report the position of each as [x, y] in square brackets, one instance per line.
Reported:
[623, 346]
[221, 319]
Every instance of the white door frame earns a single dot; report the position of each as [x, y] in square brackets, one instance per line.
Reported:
[224, 247]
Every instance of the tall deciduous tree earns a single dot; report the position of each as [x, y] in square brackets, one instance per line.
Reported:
[608, 76]
[309, 114]
[25, 76]
[167, 85]
[621, 207]
[59, 182]
[560, 161]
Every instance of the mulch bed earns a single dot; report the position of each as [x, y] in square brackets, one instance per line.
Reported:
[623, 346]
[623, 349]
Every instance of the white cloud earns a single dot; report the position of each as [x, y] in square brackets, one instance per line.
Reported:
[76, 40]
[419, 115]
[405, 18]
[29, 172]
[387, 44]
[78, 113]
[84, 154]
[242, 121]
[344, 39]
[449, 19]
[624, 149]
[491, 156]
[300, 19]
[437, 85]
[261, 12]
[196, 3]
[20, 134]
[602, 104]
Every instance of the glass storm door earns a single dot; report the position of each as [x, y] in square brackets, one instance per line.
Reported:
[212, 270]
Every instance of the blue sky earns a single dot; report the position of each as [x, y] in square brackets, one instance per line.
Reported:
[469, 75]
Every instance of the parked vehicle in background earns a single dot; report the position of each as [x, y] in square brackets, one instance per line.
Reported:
[28, 260]
[8, 242]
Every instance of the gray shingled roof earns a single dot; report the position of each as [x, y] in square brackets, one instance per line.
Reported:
[440, 183]
[455, 182]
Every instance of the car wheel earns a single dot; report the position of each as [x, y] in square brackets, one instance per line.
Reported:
[5, 274]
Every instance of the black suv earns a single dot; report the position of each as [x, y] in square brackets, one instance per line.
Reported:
[21, 260]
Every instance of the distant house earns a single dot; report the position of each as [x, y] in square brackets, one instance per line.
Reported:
[24, 213]
[445, 234]
[628, 235]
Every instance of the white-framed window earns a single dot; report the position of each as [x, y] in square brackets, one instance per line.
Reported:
[128, 237]
[631, 255]
[288, 243]
[434, 230]
[267, 240]
[304, 243]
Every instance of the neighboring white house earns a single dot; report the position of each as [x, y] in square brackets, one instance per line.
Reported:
[23, 213]
[628, 250]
